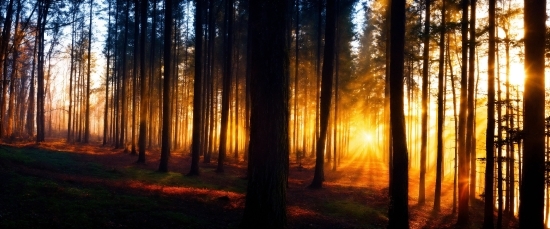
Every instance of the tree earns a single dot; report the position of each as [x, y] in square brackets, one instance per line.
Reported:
[166, 114]
[144, 101]
[326, 93]
[197, 87]
[398, 212]
[488, 214]
[463, 162]
[424, 137]
[269, 143]
[88, 78]
[226, 84]
[440, 113]
[6, 31]
[43, 9]
[531, 206]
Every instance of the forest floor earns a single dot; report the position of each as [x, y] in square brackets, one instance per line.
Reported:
[59, 185]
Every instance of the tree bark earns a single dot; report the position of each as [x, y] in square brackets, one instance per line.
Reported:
[269, 141]
[166, 114]
[197, 106]
[463, 162]
[144, 96]
[398, 212]
[440, 112]
[532, 187]
[425, 76]
[326, 94]
[226, 86]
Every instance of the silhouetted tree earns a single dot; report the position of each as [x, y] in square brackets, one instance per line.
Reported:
[269, 143]
[398, 212]
[531, 206]
[166, 114]
[425, 76]
[326, 93]
[488, 213]
[197, 88]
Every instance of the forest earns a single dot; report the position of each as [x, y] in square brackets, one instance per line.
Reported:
[407, 114]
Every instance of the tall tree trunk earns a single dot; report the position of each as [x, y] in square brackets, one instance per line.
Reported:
[470, 125]
[424, 134]
[440, 112]
[488, 213]
[326, 93]
[269, 143]
[197, 85]
[88, 78]
[31, 106]
[124, 107]
[44, 6]
[135, 75]
[144, 96]
[532, 187]
[398, 212]
[14, 71]
[108, 70]
[463, 162]
[6, 31]
[226, 86]
[166, 114]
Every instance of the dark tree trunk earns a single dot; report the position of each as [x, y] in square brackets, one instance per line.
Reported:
[6, 31]
[398, 212]
[463, 162]
[17, 39]
[470, 125]
[269, 143]
[531, 206]
[43, 9]
[326, 93]
[228, 52]
[88, 78]
[440, 112]
[424, 135]
[108, 70]
[123, 88]
[197, 106]
[488, 213]
[144, 96]
[166, 114]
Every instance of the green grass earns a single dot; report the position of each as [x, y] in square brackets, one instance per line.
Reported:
[226, 182]
[55, 161]
[353, 209]
[29, 201]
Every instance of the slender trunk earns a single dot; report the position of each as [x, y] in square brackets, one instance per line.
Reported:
[424, 134]
[166, 114]
[197, 108]
[470, 125]
[440, 113]
[463, 162]
[144, 96]
[326, 92]
[88, 78]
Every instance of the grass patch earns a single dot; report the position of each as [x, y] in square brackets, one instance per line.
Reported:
[31, 202]
[208, 179]
[68, 163]
[347, 208]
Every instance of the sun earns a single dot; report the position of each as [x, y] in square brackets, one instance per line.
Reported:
[517, 74]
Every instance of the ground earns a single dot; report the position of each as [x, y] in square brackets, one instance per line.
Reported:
[59, 185]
